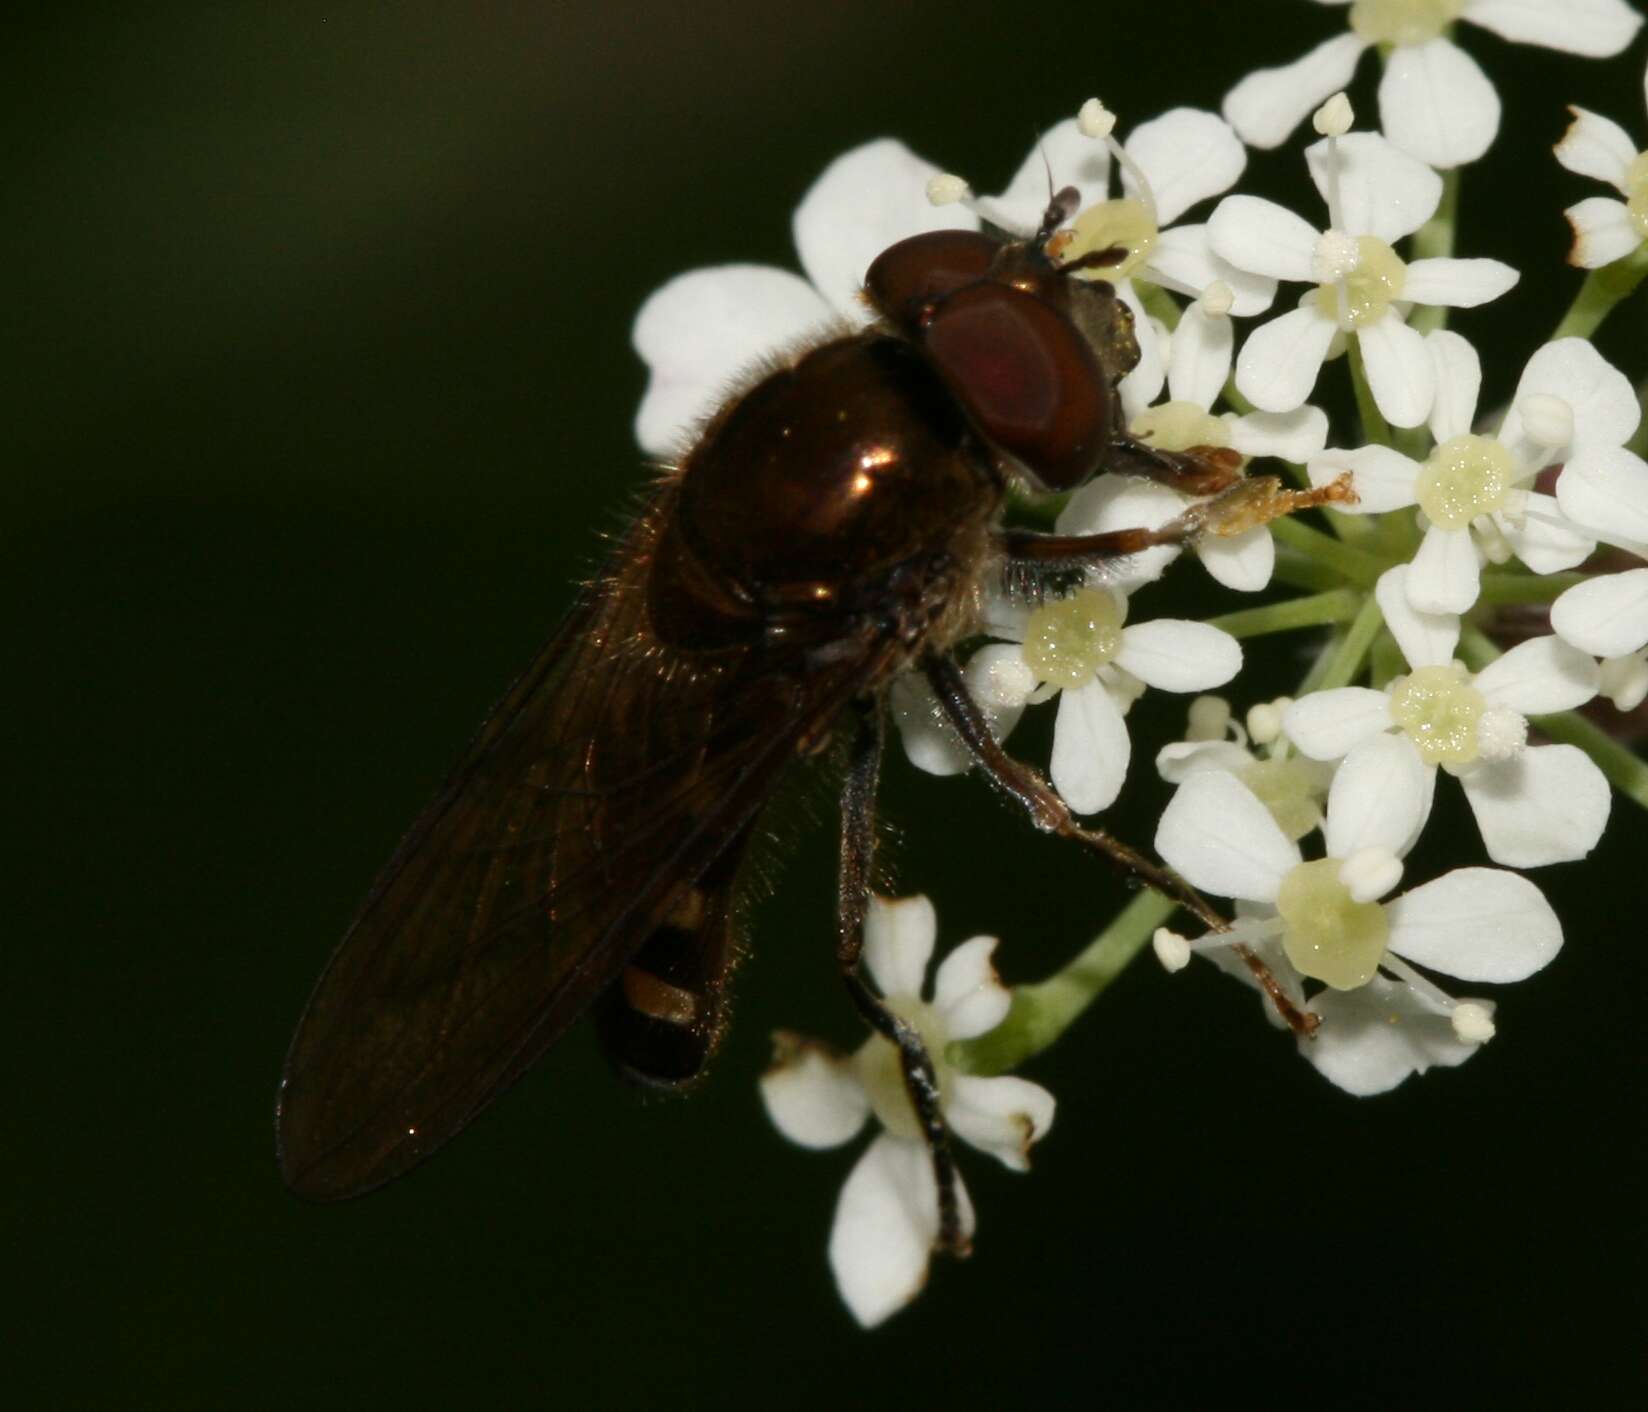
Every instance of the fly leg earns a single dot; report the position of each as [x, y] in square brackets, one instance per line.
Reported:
[1239, 507]
[1048, 812]
[858, 839]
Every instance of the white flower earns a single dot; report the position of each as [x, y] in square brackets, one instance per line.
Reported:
[1185, 156]
[1198, 364]
[1083, 648]
[887, 1217]
[1293, 787]
[1324, 919]
[1434, 101]
[704, 330]
[1569, 406]
[1375, 195]
[1535, 804]
[1604, 229]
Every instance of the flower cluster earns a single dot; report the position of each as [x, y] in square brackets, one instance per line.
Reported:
[1305, 814]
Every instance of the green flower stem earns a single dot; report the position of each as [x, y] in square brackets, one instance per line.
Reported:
[1158, 303]
[1354, 564]
[1300, 571]
[1374, 425]
[1602, 289]
[1526, 588]
[1434, 240]
[1340, 665]
[1341, 605]
[1044, 1011]
[1625, 770]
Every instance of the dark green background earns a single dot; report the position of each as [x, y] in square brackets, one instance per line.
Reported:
[320, 393]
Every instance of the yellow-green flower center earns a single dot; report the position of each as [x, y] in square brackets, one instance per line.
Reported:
[1108, 225]
[1326, 932]
[882, 1073]
[1290, 789]
[1068, 640]
[1438, 709]
[1403, 21]
[1464, 477]
[1177, 426]
[1368, 290]
[1636, 193]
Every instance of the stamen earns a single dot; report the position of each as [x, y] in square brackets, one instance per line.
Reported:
[1501, 734]
[1171, 949]
[1209, 718]
[1473, 1022]
[1264, 722]
[1216, 299]
[1624, 681]
[1548, 419]
[1432, 996]
[1369, 873]
[1095, 120]
[948, 189]
[1335, 117]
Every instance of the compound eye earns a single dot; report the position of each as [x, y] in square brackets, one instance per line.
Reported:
[1027, 378]
[906, 278]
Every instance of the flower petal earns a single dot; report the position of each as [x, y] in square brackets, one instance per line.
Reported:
[1480, 924]
[1545, 539]
[1144, 384]
[1377, 799]
[1199, 356]
[1603, 232]
[1183, 259]
[1595, 28]
[1401, 375]
[1384, 479]
[1174, 654]
[1178, 760]
[1457, 284]
[1243, 561]
[1267, 105]
[1217, 833]
[1260, 236]
[1074, 160]
[1605, 490]
[1090, 749]
[1541, 675]
[1437, 104]
[1603, 401]
[1458, 383]
[1188, 155]
[1547, 805]
[701, 331]
[811, 1093]
[1112, 502]
[1445, 576]
[885, 1224]
[968, 992]
[1001, 1115]
[1426, 639]
[1382, 190]
[1289, 436]
[1607, 615]
[1596, 146]
[1373, 1038]
[899, 933]
[1278, 364]
[864, 201]
[1327, 725]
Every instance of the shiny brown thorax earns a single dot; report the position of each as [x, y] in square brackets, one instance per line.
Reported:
[850, 491]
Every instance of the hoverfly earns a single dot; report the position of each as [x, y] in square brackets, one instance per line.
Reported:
[834, 526]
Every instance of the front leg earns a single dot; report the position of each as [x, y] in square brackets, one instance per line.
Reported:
[858, 839]
[1243, 506]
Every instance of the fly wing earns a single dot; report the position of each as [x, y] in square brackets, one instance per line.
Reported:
[604, 783]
